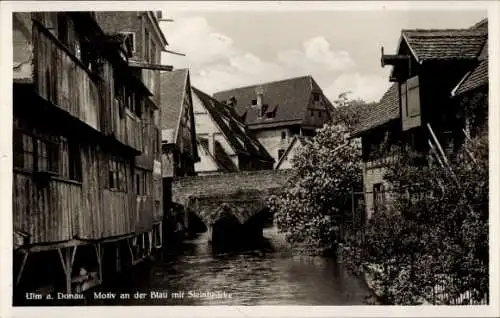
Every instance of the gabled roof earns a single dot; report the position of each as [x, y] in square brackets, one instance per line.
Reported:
[477, 77]
[444, 44]
[296, 141]
[238, 136]
[172, 91]
[289, 98]
[386, 110]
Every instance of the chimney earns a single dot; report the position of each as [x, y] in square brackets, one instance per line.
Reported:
[232, 101]
[260, 96]
[211, 144]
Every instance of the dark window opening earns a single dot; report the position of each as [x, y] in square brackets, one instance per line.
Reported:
[312, 113]
[138, 183]
[254, 102]
[48, 156]
[117, 175]
[271, 114]
[378, 197]
[75, 163]
[283, 135]
[316, 97]
[22, 148]
[62, 28]
[319, 114]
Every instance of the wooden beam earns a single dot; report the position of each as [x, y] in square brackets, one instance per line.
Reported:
[150, 66]
[21, 270]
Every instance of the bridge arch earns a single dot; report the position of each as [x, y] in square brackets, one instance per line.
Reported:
[231, 205]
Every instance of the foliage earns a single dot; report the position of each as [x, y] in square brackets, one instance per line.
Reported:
[349, 112]
[434, 232]
[326, 169]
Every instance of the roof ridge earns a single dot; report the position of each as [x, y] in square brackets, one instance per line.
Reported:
[263, 83]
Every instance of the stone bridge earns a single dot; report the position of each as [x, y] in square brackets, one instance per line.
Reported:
[229, 204]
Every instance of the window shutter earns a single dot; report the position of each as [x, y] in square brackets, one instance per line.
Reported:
[413, 97]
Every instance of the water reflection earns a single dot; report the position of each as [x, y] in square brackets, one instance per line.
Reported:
[264, 274]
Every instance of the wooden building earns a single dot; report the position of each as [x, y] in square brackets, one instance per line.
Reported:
[434, 75]
[178, 137]
[277, 111]
[84, 151]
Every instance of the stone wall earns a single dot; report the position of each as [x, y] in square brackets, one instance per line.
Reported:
[216, 185]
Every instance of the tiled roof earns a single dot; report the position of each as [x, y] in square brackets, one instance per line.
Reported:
[445, 44]
[239, 137]
[385, 110]
[481, 25]
[289, 98]
[479, 75]
[173, 87]
[476, 78]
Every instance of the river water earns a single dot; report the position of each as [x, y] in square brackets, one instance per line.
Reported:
[269, 274]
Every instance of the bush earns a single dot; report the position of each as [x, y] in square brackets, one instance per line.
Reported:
[325, 170]
[434, 232]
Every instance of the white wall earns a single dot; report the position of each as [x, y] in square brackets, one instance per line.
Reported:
[207, 128]
[271, 140]
[286, 163]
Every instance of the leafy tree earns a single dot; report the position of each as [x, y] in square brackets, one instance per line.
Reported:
[349, 112]
[325, 170]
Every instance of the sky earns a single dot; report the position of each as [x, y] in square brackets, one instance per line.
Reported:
[340, 49]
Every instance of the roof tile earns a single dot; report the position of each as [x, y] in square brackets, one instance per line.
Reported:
[290, 98]
[445, 44]
[385, 110]
[241, 139]
[173, 85]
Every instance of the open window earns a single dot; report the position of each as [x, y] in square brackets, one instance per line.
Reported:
[130, 40]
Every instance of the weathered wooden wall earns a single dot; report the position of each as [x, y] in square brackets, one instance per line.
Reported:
[57, 208]
[62, 80]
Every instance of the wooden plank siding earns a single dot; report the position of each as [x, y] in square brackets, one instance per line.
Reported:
[45, 212]
[54, 204]
[63, 81]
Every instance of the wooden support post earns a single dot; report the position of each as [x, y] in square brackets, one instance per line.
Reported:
[99, 254]
[118, 260]
[131, 251]
[67, 263]
[21, 269]
[150, 236]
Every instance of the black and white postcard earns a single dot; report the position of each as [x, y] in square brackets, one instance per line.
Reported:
[261, 158]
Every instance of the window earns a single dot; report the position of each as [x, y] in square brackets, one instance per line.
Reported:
[147, 51]
[130, 40]
[319, 114]
[75, 163]
[378, 197]
[283, 135]
[315, 97]
[117, 175]
[281, 152]
[312, 113]
[48, 156]
[62, 28]
[23, 150]
[33, 153]
[138, 183]
[254, 102]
